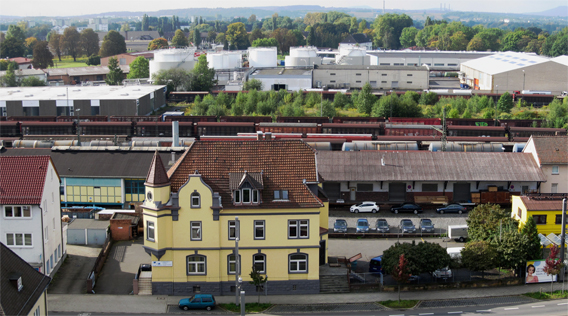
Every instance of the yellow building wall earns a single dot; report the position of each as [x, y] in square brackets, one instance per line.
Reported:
[87, 194]
[518, 207]
[216, 245]
[41, 303]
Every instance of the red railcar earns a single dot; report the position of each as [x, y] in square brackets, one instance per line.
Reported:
[476, 131]
[302, 119]
[10, 129]
[32, 118]
[106, 128]
[302, 128]
[86, 118]
[163, 129]
[411, 130]
[470, 122]
[374, 129]
[118, 118]
[357, 120]
[255, 119]
[47, 128]
[521, 123]
[191, 118]
[415, 120]
[224, 128]
[522, 134]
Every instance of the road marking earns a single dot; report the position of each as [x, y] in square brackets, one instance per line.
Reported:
[426, 314]
[537, 306]
[455, 312]
[562, 303]
[483, 311]
[422, 239]
[511, 308]
[397, 315]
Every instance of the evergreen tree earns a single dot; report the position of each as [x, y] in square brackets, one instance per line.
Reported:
[115, 75]
[145, 23]
[196, 37]
[530, 230]
[9, 79]
[179, 39]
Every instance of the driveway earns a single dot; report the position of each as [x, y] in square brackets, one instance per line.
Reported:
[121, 266]
[72, 275]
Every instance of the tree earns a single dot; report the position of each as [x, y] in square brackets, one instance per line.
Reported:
[400, 273]
[158, 43]
[237, 35]
[125, 27]
[113, 44]
[407, 38]
[553, 264]
[530, 230]
[252, 84]
[5, 64]
[145, 23]
[265, 42]
[179, 39]
[486, 220]
[479, 256]
[71, 42]
[175, 79]
[251, 19]
[94, 60]
[365, 100]
[255, 34]
[431, 257]
[115, 75]
[30, 44]
[11, 47]
[362, 26]
[505, 103]
[16, 32]
[311, 39]
[9, 79]
[139, 68]
[388, 29]
[32, 82]
[43, 58]
[90, 42]
[202, 76]
[54, 40]
[196, 38]
[511, 248]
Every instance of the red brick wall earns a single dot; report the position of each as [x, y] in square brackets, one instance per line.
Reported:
[120, 229]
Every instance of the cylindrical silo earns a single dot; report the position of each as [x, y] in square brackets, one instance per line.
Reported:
[262, 57]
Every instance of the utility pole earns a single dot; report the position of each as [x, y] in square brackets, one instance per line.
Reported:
[563, 239]
[443, 129]
[237, 263]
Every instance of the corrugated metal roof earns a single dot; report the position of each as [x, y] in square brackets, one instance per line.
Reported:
[82, 223]
[504, 61]
[427, 166]
[561, 60]
[78, 92]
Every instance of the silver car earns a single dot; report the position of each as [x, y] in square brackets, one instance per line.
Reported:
[382, 226]
[426, 225]
[365, 207]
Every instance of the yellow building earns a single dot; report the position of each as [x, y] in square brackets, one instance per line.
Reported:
[191, 225]
[546, 209]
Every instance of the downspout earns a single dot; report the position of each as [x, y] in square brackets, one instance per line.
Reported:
[42, 241]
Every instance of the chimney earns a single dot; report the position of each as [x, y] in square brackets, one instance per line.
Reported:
[175, 134]
[268, 136]
[259, 135]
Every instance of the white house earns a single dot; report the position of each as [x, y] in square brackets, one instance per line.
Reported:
[30, 224]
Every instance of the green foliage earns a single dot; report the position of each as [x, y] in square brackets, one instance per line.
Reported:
[505, 103]
[249, 307]
[341, 101]
[252, 84]
[32, 82]
[431, 257]
[366, 100]
[203, 77]
[557, 113]
[265, 42]
[9, 79]
[54, 40]
[511, 248]
[388, 29]
[399, 304]
[407, 38]
[139, 68]
[429, 98]
[89, 42]
[11, 47]
[179, 39]
[43, 58]
[258, 280]
[94, 60]
[157, 43]
[113, 44]
[175, 79]
[328, 109]
[115, 75]
[237, 35]
[479, 256]
[196, 37]
[4, 64]
[71, 42]
[486, 221]
[548, 296]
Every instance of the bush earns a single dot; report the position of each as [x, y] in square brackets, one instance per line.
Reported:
[93, 60]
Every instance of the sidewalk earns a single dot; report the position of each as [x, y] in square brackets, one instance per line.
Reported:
[135, 304]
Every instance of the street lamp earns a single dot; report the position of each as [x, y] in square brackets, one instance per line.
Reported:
[321, 111]
[78, 126]
[238, 280]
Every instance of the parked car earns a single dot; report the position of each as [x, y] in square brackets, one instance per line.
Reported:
[426, 225]
[414, 279]
[362, 225]
[406, 207]
[382, 226]
[364, 207]
[206, 301]
[444, 273]
[406, 226]
[340, 226]
[452, 208]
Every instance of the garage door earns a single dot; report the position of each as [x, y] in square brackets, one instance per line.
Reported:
[462, 192]
[76, 236]
[96, 236]
[397, 191]
[332, 189]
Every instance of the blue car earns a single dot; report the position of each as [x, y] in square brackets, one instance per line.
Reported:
[362, 225]
[376, 265]
[198, 301]
[340, 226]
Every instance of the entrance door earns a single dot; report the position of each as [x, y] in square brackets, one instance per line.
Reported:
[322, 252]
[397, 192]
[462, 192]
[352, 194]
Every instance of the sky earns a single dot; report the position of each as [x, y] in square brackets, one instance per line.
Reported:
[81, 7]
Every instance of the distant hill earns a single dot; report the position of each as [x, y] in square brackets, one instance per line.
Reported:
[558, 11]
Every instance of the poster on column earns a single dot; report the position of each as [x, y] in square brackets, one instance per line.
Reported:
[536, 274]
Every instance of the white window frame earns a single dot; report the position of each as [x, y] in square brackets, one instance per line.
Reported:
[22, 211]
[150, 227]
[237, 196]
[259, 224]
[555, 169]
[233, 261]
[46, 236]
[249, 196]
[262, 261]
[299, 224]
[195, 227]
[232, 224]
[554, 188]
[294, 264]
[255, 196]
[23, 238]
[195, 195]
[196, 264]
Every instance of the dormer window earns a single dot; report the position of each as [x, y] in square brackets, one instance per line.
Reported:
[246, 187]
[281, 194]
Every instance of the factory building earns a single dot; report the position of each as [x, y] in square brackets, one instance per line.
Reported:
[379, 77]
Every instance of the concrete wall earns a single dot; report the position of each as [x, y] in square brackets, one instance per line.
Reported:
[561, 179]
[121, 229]
[47, 107]
[84, 106]
[224, 288]
[118, 107]
[379, 79]
[14, 108]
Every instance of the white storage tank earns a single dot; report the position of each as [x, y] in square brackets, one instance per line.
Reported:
[172, 58]
[262, 57]
[353, 56]
[225, 60]
[303, 56]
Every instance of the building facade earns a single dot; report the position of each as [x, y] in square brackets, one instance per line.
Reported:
[31, 213]
[546, 209]
[263, 192]
[551, 155]
[379, 77]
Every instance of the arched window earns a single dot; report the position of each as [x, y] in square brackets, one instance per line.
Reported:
[196, 264]
[259, 262]
[195, 200]
[232, 264]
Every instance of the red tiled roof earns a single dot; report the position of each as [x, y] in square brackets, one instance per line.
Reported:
[157, 175]
[543, 204]
[551, 149]
[21, 60]
[284, 166]
[22, 179]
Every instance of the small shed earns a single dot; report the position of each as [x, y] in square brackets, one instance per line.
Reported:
[83, 231]
[124, 226]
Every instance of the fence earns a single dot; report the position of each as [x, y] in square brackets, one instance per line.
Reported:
[99, 263]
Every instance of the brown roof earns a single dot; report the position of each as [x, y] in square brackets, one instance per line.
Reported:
[542, 203]
[22, 179]
[35, 283]
[236, 179]
[284, 166]
[157, 175]
[427, 166]
[551, 149]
